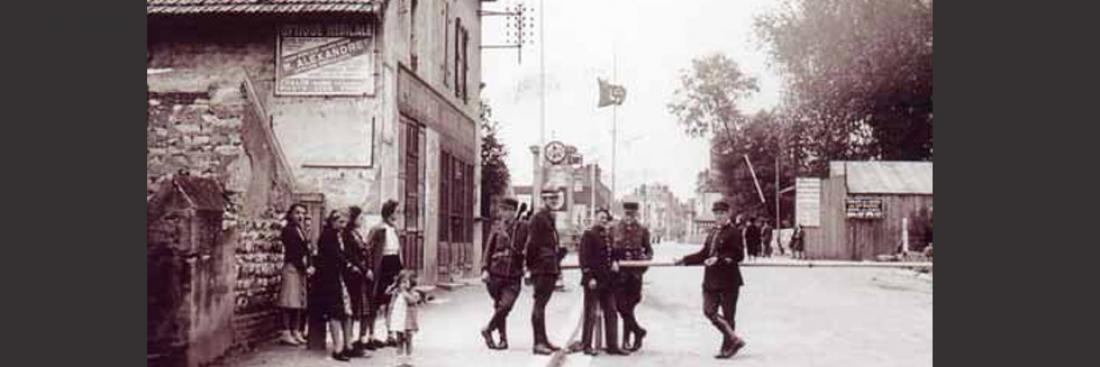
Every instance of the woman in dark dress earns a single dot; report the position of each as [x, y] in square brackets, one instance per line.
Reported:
[359, 280]
[292, 294]
[333, 268]
[384, 249]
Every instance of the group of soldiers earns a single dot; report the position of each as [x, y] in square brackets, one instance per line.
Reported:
[517, 243]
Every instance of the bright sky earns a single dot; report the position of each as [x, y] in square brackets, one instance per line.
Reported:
[654, 39]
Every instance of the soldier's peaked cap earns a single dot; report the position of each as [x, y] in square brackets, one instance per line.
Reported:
[630, 205]
[720, 205]
[510, 202]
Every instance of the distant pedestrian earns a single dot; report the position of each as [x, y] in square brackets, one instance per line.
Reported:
[404, 301]
[542, 259]
[332, 268]
[752, 238]
[722, 251]
[502, 269]
[766, 237]
[384, 251]
[296, 268]
[798, 244]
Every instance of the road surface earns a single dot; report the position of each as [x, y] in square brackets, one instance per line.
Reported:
[788, 316]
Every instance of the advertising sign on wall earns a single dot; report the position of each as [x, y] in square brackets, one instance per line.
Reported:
[808, 201]
[863, 208]
[323, 59]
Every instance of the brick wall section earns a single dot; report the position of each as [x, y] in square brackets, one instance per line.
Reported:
[259, 259]
[225, 141]
[186, 133]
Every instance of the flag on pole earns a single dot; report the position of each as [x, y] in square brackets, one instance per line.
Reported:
[610, 94]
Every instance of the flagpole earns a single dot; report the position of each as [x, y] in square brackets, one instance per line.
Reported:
[614, 119]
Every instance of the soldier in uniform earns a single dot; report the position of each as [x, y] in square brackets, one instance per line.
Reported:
[721, 254]
[631, 242]
[597, 280]
[502, 269]
[541, 252]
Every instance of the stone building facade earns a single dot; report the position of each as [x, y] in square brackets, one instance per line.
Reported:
[329, 102]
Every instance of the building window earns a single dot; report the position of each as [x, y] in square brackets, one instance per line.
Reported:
[465, 65]
[458, 57]
[412, 34]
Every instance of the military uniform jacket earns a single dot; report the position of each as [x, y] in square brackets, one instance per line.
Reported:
[504, 251]
[725, 242]
[541, 249]
[631, 242]
[595, 257]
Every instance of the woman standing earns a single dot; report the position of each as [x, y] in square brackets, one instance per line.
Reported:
[359, 280]
[797, 242]
[332, 295]
[292, 294]
[384, 248]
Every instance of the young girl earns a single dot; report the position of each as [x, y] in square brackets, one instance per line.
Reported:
[404, 301]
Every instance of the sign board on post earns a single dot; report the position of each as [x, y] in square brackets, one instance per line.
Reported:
[323, 60]
[863, 208]
[807, 200]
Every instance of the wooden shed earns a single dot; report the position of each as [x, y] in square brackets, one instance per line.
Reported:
[867, 209]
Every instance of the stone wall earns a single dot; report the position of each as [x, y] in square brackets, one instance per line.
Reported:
[218, 133]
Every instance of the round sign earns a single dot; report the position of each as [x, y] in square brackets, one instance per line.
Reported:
[556, 152]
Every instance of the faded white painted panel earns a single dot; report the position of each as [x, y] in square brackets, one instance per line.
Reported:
[325, 132]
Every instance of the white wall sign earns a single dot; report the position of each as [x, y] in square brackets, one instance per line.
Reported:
[329, 59]
[807, 201]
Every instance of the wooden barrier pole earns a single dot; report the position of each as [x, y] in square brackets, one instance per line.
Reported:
[784, 264]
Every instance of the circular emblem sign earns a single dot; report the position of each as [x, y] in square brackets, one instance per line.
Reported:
[555, 152]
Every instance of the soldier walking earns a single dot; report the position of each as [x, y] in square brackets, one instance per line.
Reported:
[721, 254]
[631, 242]
[541, 252]
[502, 270]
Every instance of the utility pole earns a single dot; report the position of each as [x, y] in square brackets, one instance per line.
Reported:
[539, 177]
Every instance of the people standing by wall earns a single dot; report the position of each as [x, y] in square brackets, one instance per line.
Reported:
[384, 250]
[358, 280]
[631, 241]
[798, 242]
[296, 269]
[722, 252]
[542, 260]
[332, 293]
[502, 269]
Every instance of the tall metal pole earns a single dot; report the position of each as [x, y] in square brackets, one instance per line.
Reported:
[540, 173]
[614, 121]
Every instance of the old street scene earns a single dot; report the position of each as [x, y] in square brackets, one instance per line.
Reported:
[539, 182]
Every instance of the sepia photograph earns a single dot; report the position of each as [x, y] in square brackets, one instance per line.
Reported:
[537, 183]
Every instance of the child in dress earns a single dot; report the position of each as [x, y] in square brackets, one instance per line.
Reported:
[404, 299]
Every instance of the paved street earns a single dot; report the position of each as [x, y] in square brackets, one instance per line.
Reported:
[789, 316]
[449, 333]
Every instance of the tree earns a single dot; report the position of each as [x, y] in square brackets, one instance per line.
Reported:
[859, 76]
[707, 103]
[707, 100]
[494, 170]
